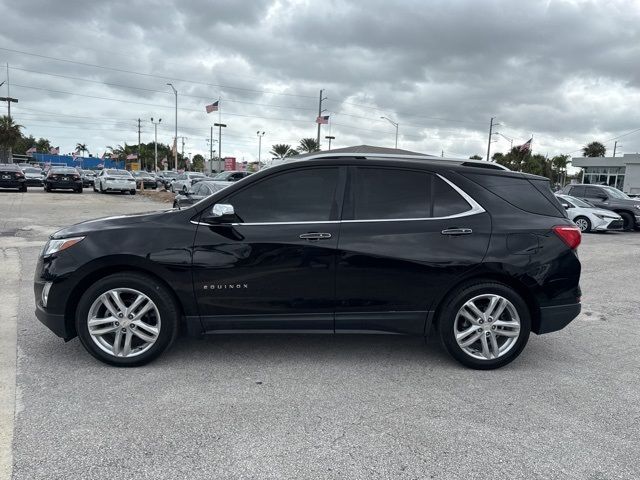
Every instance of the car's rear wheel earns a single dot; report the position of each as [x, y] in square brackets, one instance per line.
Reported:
[484, 325]
[583, 224]
[132, 192]
[628, 220]
[127, 319]
[23, 188]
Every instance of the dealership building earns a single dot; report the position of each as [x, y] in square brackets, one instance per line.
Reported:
[620, 172]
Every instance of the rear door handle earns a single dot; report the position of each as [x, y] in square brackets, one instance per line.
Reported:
[457, 231]
[315, 236]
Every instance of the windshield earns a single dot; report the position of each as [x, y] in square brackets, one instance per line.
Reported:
[577, 202]
[122, 173]
[614, 192]
[222, 176]
[64, 170]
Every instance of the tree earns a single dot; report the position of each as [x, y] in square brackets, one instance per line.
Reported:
[475, 157]
[43, 145]
[282, 150]
[24, 144]
[197, 163]
[10, 133]
[594, 149]
[308, 145]
[82, 147]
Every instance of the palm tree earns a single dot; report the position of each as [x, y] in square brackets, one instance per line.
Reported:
[82, 147]
[282, 150]
[594, 149]
[308, 145]
[9, 135]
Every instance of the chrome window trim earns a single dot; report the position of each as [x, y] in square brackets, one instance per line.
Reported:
[475, 209]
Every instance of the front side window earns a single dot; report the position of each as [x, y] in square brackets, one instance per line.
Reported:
[577, 191]
[594, 192]
[305, 195]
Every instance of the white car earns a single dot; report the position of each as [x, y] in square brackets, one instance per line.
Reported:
[185, 181]
[110, 180]
[589, 218]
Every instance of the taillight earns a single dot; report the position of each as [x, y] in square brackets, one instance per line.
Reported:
[568, 234]
[76, 177]
[19, 174]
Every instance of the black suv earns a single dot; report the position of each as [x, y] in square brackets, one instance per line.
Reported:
[325, 245]
[610, 198]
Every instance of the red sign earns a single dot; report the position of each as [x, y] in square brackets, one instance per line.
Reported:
[229, 163]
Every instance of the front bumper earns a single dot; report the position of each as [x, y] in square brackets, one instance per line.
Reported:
[609, 224]
[55, 322]
[556, 317]
[34, 182]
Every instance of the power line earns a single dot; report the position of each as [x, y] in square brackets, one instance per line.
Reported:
[142, 74]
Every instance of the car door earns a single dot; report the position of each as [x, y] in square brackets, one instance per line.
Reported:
[273, 265]
[405, 237]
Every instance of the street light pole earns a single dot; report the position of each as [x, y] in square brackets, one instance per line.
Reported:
[220, 126]
[260, 135]
[395, 124]
[155, 142]
[330, 137]
[175, 152]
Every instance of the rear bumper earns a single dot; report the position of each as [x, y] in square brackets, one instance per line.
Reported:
[11, 183]
[64, 185]
[557, 317]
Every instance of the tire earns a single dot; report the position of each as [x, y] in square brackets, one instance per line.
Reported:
[162, 316]
[47, 189]
[514, 321]
[132, 192]
[79, 190]
[629, 222]
[23, 188]
[175, 204]
[171, 189]
[102, 190]
[583, 223]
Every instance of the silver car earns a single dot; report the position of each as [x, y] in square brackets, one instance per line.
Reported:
[111, 180]
[185, 181]
[589, 218]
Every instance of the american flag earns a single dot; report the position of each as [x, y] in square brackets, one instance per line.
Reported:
[322, 119]
[213, 107]
[132, 156]
[526, 146]
[32, 150]
[54, 150]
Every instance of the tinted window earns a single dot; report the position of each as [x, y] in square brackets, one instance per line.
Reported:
[594, 192]
[380, 193]
[197, 189]
[577, 191]
[299, 196]
[446, 201]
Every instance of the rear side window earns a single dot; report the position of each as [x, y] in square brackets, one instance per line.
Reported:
[577, 191]
[387, 194]
[446, 201]
[521, 193]
[594, 192]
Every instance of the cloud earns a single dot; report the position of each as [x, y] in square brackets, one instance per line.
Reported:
[564, 71]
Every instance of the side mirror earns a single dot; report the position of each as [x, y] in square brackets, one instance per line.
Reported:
[566, 206]
[221, 213]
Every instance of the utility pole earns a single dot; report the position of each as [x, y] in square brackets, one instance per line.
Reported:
[155, 142]
[395, 124]
[260, 135]
[139, 159]
[319, 115]
[8, 98]
[211, 150]
[175, 152]
[491, 125]
[330, 137]
[615, 147]
[220, 126]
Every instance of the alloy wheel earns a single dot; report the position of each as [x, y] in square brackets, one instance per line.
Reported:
[582, 224]
[487, 327]
[123, 322]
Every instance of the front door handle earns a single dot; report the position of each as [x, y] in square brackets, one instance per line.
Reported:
[315, 236]
[457, 231]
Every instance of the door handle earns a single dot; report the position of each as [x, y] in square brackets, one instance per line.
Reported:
[457, 231]
[315, 236]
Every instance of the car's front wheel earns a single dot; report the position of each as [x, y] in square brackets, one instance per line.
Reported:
[127, 319]
[583, 224]
[484, 325]
[628, 220]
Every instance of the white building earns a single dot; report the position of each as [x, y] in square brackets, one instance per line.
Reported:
[620, 172]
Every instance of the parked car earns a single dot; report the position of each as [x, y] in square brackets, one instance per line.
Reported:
[183, 182]
[231, 176]
[11, 176]
[165, 178]
[34, 176]
[88, 177]
[588, 218]
[609, 198]
[112, 180]
[336, 245]
[63, 178]
[199, 191]
[144, 178]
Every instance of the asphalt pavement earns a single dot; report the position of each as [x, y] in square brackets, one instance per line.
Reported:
[334, 407]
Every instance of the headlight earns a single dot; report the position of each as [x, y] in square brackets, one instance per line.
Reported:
[637, 206]
[54, 246]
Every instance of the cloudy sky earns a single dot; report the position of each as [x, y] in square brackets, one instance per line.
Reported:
[566, 72]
